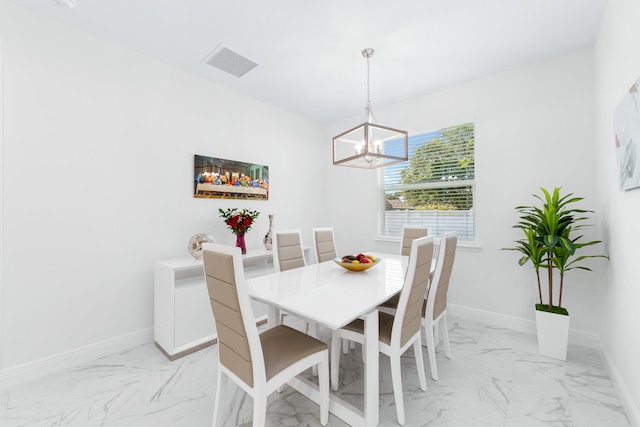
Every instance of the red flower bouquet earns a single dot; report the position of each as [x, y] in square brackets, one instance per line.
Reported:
[239, 222]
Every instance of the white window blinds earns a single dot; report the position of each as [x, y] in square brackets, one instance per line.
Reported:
[435, 187]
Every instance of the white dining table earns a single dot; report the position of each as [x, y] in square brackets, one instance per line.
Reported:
[331, 296]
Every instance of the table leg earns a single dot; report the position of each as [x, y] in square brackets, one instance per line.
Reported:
[273, 317]
[371, 369]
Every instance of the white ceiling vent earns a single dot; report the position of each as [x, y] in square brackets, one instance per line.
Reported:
[229, 61]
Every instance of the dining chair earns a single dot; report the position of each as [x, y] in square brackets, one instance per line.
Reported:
[434, 311]
[324, 244]
[409, 234]
[325, 247]
[258, 363]
[398, 331]
[288, 254]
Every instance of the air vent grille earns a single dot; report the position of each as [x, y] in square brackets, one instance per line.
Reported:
[230, 62]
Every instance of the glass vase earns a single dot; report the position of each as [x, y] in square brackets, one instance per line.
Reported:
[240, 243]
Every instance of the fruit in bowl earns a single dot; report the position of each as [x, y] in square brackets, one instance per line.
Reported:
[358, 262]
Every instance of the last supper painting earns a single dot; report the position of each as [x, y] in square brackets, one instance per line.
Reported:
[229, 179]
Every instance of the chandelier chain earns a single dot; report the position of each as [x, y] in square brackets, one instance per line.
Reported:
[368, 86]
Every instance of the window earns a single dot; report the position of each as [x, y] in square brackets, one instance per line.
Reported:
[435, 187]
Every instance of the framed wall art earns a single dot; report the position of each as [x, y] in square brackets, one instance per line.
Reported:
[229, 179]
[626, 123]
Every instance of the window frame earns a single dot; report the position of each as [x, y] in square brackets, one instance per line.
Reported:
[382, 190]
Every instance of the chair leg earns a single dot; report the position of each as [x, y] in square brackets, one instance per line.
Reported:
[217, 407]
[431, 348]
[417, 350]
[352, 345]
[345, 346]
[445, 336]
[396, 377]
[323, 383]
[259, 410]
[335, 360]
[314, 330]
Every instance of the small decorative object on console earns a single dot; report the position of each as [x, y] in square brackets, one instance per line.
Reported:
[195, 244]
[239, 222]
[268, 238]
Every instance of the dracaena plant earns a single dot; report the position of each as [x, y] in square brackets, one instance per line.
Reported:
[550, 240]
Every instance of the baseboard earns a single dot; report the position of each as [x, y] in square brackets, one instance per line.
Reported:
[630, 407]
[48, 365]
[33, 370]
[586, 339]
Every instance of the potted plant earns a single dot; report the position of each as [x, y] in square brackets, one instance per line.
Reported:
[550, 243]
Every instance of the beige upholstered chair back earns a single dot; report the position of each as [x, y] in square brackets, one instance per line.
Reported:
[409, 311]
[442, 274]
[409, 234]
[287, 250]
[324, 244]
[225, 298]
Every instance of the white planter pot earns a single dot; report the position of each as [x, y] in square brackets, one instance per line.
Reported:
[553, 334]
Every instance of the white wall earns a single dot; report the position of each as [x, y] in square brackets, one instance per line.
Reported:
[534, 127]
[1, 207]
[98, 180]
[617, 66]
[98, 146]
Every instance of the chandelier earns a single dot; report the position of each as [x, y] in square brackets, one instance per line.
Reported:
[370, 145]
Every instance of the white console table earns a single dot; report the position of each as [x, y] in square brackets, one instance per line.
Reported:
[182, 317]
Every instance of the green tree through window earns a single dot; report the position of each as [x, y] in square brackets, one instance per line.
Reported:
[436, 186]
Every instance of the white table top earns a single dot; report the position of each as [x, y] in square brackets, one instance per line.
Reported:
[328, 294]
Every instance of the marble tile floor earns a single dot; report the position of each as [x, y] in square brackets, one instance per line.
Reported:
[495, 378]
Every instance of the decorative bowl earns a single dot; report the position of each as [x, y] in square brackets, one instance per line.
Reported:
[356, 267]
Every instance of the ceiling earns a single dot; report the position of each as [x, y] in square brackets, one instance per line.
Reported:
[309, 52]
